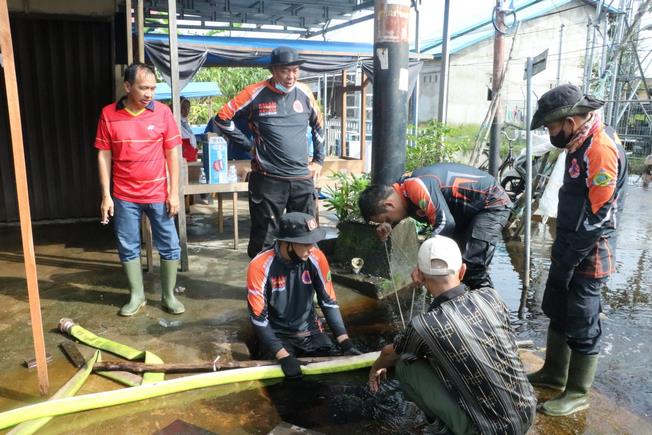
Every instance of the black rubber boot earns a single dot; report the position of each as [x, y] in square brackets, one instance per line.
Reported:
[576, 396]
[554, 372]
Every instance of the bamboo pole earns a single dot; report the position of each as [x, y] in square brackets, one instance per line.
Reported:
[6, 46]
[140, 367]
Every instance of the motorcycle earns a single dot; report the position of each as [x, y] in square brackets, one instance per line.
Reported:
[512, 179]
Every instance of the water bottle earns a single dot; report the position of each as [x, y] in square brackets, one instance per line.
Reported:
[232, 175]
[202, 177]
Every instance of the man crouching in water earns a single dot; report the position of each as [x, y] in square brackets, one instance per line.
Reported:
[281, 284]
[458, 362]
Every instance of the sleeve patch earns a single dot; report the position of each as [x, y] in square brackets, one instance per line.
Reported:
[602, 178]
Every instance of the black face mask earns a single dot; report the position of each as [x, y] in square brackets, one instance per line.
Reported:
[561, 139]
[293, 255]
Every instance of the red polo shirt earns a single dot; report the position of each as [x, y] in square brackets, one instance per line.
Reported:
[138, 144]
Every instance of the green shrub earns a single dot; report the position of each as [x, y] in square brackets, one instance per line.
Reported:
[430, 146]
[343, 196]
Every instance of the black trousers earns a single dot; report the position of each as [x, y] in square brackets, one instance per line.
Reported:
[318, 344]
[478, 244]
[269, 198]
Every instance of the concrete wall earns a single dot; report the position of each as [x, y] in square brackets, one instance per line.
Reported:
[471, 68]
[64, 7]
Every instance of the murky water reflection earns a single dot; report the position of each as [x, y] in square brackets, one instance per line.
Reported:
[341, 403]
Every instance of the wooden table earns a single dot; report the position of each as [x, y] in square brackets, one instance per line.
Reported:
[220, 189]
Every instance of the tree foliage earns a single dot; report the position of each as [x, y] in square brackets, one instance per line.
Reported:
[230, 80]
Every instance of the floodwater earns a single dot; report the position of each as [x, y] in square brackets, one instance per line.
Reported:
[341, 403]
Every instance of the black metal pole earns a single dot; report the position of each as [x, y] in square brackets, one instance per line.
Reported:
[390, 106]
[499, 63]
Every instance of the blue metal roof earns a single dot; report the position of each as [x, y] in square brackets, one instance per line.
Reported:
[525, 10]
[192, 90]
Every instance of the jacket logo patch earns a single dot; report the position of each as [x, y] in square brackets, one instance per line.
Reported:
[297, 106]
[266, 109]
[278, 283]
[602, 178]
[328, 276]
[305, 277]
[574, 170]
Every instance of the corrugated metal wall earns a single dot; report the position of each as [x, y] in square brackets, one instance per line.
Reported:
[64, 69]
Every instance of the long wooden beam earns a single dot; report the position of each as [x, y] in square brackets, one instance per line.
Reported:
[15, 126]
[128, 31]
[176, 108]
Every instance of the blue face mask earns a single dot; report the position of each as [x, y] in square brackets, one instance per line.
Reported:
[282, 88]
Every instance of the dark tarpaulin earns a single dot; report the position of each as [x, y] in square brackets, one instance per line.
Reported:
[195, 52]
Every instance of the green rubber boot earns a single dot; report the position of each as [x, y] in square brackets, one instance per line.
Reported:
[576, 396]
[168, 280]
[135, 277]
[554, 372]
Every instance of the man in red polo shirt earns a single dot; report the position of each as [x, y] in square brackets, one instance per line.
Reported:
[137, 140]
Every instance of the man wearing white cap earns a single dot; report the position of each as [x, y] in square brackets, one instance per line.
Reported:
[458, 362]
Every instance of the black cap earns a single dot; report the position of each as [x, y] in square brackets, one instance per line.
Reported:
[561, 102]
[285, 56]
[297, 227]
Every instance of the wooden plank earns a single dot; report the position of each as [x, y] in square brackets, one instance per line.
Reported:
[176, 108]
[220, 214]
[235, 220]
[196, 189]
[15, 126]
[140, 30]
[130, 41]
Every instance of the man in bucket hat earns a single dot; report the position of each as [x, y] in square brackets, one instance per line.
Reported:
[281, 284]
[582, 255]
[279, 110]
[459, 362]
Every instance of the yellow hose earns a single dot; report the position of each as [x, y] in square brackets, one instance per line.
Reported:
[68, 326]
[68, 389]
[147, 391]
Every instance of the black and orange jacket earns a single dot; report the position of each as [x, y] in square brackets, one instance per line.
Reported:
[449, 195]
[280, 297]
[589, 202]
[278, 122]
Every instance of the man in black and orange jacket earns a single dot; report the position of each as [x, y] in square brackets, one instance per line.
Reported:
[282, 284]
[582, 256]
[279, 110]
[458, 201]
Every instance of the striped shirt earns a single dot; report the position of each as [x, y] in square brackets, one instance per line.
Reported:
[138, 144]
[468, 340]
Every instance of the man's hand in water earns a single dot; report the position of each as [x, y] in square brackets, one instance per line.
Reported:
[383, 231]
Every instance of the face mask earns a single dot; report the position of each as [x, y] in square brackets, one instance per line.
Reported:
[282, 88]
[561, 139]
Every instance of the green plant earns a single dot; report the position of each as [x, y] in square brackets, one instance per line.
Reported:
[430, 146]
[343, 196]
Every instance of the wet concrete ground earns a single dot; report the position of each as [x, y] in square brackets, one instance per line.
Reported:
[80, 277]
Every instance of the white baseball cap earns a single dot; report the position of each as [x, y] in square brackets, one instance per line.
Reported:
[443, 249]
